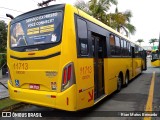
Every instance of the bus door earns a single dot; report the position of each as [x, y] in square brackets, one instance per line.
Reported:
[98, 55]
[133, 62]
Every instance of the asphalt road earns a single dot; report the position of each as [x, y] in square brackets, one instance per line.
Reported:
[134, 97]
[3, 88]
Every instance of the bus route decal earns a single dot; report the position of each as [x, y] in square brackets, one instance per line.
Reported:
[90, 96]
[20, 66]
[85, 72]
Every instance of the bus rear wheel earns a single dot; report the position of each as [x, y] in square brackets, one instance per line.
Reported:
[119, 83]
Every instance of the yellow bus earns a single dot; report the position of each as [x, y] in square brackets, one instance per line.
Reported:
[60, 57]
[155, 58]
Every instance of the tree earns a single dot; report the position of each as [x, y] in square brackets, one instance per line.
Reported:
[83, 6]
[3, 36]
[121, 21]
[140, 41]
[96, 8]
[153, 40]
[100, 7]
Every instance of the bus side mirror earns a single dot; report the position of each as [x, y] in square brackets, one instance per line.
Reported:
[10, 16]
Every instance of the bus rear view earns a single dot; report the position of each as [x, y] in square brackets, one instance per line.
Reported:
[38, 72]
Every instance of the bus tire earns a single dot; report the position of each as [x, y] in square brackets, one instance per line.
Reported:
[119, 83]
[126, 79]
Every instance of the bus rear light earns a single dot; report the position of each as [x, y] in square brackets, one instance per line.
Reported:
[69, 72]
[65, 76]
[68, 77]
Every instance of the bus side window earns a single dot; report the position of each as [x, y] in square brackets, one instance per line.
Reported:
[129, 48]
[118, 48]
[82, 36]
[122, 47]
[112, 44]
[136, 51]
[125, 48]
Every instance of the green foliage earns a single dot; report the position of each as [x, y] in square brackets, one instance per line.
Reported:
[83, 6]
[6, 103]
[140, 41]
[96, 8]
[3, 36]
[100, 7]
[153, 40]
[3, 59]
[121, 21]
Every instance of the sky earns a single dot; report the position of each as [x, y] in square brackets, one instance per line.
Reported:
[145, 18]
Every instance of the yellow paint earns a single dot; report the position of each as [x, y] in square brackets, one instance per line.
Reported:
[46, 30]
[47, 26]
[150, 97]
[33, 31]
[83, 68]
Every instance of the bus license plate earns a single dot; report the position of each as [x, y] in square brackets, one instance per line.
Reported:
[34, 86]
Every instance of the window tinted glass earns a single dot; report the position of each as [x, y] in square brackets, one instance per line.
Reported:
[112, 40]
[82, 29]
[112, 44]
[125, 44]
[117, 41]
[118, 48]
[129, 49]
[115, 45]
[41, 29]
[82, 36]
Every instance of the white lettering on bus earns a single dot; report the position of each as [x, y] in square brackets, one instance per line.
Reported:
[34, 19]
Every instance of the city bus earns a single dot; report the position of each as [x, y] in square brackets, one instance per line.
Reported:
[155, 58]
[60, 57]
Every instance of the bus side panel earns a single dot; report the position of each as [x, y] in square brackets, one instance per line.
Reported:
[137, 63]
[111, 71]
[85, 83]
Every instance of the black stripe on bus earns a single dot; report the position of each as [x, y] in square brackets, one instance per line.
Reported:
[36, 58]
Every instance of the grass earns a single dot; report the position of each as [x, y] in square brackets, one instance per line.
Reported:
[6, 103]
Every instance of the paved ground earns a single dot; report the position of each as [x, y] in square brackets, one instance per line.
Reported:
[3, 90]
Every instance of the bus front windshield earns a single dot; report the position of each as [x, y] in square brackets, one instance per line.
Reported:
[36, 30]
